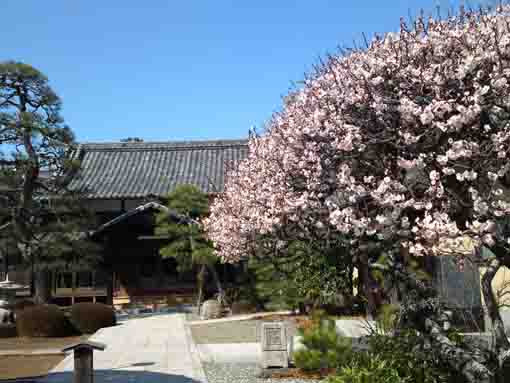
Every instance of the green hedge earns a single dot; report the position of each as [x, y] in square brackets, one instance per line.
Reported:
[89, 317]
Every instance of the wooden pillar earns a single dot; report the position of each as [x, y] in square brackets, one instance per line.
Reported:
[110, 287]
[83, 365]
[54, 276]
[84, 360]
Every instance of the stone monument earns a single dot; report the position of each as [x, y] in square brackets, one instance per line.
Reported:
[274, 345]
[459, 291]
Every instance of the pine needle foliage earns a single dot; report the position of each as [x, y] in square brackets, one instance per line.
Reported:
[305, 276]
[324, 348]
[187, 242]
[38, 212]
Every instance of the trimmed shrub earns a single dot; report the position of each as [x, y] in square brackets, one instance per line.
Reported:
[89, 317]
[243, 308]
[8, 331]
[22, 305]
[43, 321]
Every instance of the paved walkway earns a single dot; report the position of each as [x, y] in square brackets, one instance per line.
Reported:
[151, 350]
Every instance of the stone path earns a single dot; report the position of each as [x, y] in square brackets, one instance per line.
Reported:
[151, 350]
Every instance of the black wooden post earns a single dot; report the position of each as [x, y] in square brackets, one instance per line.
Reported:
[84, 360]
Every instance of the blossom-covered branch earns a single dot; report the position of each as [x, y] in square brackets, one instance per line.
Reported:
[402, 148]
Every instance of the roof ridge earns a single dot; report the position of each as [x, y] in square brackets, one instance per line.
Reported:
[162, 142]
[158, 145]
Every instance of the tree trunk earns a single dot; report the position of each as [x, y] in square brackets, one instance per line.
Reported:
[42, 286]
[32, 278]
[364, 274]
[109, 288]
[350, 283]
[458, 358]
[200, 285]
[217, 281]
[498, 328]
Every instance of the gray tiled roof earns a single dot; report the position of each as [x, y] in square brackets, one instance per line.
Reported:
[144, 169]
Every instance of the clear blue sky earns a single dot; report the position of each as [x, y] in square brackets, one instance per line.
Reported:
[187, 69]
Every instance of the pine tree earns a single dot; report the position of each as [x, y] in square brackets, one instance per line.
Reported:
[45, 219]
[189, 245]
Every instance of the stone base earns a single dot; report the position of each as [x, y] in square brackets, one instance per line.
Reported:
[262, 373]
[267, 373]
[275, 359]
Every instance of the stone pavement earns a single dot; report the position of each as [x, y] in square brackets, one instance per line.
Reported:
[151, 350]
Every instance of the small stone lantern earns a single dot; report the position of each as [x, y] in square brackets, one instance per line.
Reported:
[8, 290]
[84, 360]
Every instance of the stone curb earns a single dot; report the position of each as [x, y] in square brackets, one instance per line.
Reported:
[244, 317]
[49, 351]
[198, 369]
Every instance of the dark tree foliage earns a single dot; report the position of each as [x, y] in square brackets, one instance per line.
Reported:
[37, 212]
[187, 241]
[306, 277]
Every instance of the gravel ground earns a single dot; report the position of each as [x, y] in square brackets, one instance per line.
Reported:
[242, 373]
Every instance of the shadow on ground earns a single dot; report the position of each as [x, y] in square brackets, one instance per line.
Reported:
[115, 376]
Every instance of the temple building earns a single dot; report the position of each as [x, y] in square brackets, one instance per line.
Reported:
[124, 184]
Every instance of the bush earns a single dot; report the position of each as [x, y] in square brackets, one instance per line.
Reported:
[43, 321]
[243, 308]
[308, 277]
[369, 370]
[409, 353]
[8, 331]
[22, 305]
[89, 317]
[324, 348]
[387, 318]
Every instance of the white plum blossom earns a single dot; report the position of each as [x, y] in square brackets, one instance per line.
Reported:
[492, 176]
[442, 159]
[406, 164]
[387, 142]
[427, 117]
[500, 83]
